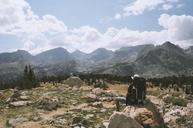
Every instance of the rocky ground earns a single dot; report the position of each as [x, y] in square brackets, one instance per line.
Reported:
[66, 105]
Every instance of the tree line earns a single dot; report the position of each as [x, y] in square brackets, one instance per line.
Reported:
[27, 81]
[176, 82]
[30, 80]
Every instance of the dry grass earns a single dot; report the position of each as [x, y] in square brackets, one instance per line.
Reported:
[119, 88]
[155, 91]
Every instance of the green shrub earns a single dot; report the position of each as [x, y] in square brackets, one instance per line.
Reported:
[185, 121]
[101, 85]
[175, 101]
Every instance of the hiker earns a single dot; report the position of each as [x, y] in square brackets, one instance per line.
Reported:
[130, 97]
[136, 91]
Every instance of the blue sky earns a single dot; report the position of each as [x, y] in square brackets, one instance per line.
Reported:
[76, 13]
[38, 25]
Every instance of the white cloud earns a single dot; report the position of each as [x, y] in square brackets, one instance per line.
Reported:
[117, 16]
[46, 32]
[138, 7]
[16, 17]
[167, 6]
[179, 27]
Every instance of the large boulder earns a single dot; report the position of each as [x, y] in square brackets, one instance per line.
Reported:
[74, 81]
[121, 120]
[141, 115]
[147, 115]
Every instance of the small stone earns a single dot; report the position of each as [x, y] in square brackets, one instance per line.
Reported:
[75, 89]
[90, 97]
[85, 88]
[17, 121]
[79, 107]
[98, 91]
[20, 103]
[24, 97]
[103, 110]
[89, 116]
[97, 104]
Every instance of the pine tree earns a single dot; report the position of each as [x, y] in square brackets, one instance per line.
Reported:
[31, 74]
[29, 79]
[26, 70]
[25, 81]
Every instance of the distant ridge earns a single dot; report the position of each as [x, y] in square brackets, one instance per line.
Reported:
[147, 60]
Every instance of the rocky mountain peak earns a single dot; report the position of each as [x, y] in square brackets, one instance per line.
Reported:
[170, 46]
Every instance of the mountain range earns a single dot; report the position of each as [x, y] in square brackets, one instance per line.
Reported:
[147, 60]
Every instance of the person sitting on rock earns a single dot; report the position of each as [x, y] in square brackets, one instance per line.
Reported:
[136, 91]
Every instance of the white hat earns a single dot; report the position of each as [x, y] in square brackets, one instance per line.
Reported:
[136, 75]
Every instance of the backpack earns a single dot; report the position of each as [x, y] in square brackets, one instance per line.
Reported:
[140, 85]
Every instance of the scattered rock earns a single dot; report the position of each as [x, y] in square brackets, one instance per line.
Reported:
[58, 122]
[26, 92]
[90, 97]
[37, 118]
[63, 87]
[97, 104]
[16, 121]
[103, 110]
[80, 121]
[166, 96]
[89, 116]
[79, 107]
[98, 91]
[89, 109]
[171, 116]
[75, 89]
[48, 104]
[85, 88]
[24, 97]
[190, 108]
[111, 93]
[20, 103]
[108, 99]
[108, 105]
[14, 97]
